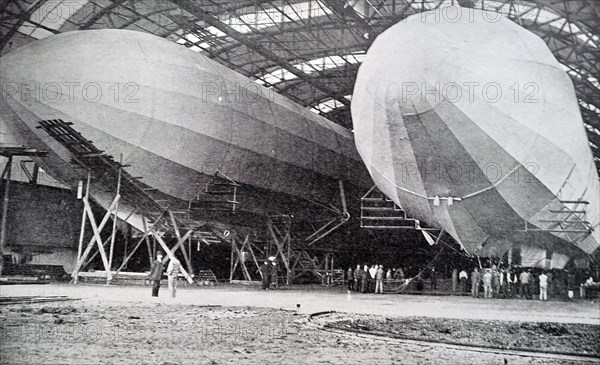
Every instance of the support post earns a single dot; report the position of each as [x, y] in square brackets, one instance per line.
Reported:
[147, 239]
[99, 239]
[232, 264]
[115, 217]
[83, 220]
[178, 234]
[137, 245]
[6, 174]
[95, 238]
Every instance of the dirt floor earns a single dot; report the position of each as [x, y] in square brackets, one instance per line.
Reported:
[109, 327]
[546, 337]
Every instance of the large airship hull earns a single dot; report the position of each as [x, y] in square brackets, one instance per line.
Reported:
[176, 117]
[473, 127]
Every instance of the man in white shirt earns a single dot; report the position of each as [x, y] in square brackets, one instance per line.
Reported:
[379, 280]
[173, 272]
[543, 286]
[463, 280]
[372, 273]
[487, 284]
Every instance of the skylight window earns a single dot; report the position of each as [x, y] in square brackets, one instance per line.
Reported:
[329, 105]
[317, 64]
[592, 129]
[540, 16]
[53, 15]
[574, 71]
[192, 38]
[272, 16]
[589, 107]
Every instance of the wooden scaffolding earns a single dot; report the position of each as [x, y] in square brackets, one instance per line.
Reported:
[159, 221]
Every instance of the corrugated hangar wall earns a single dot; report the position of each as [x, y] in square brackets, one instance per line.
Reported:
[41, 218]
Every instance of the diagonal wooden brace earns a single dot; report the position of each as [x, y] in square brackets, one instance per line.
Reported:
[96, 236]
[170, 254]
[99, 242]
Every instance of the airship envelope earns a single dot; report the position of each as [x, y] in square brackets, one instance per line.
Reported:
[468, 122]
[176, 117]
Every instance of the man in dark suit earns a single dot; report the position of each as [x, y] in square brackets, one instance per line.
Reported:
[350, 278]
[156, 272]
[357, 278]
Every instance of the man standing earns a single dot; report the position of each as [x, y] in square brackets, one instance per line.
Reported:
[357, 278]
[364, 279]
[511, 282]
[350, 278]
[487, 284]
[173, 270]
[156, 272]
[433, 279]
[463, 281]
[475, 283]
[543, 286]
[265, 273]
[275, 275]
[495, 282]
[379, 280]
[503, 284]
[372, 273]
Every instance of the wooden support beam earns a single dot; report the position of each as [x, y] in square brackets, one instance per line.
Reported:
[178, 234]
[251, 250]
[95, 237]
[232, 266]
[178, 245]
[126, 260]
[115, 217]
[240, 260]
[89, 260]
[170, 254]
[6, 173]
[147, 239]
[99, 238]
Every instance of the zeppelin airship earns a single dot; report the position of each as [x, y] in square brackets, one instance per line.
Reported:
[177, 119]
[471, 125]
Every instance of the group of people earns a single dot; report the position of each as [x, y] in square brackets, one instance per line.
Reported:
[156, 273]
[367, 279]
[269, 272]
[503, 283]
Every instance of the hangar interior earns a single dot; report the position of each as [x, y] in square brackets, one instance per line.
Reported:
[307, 51]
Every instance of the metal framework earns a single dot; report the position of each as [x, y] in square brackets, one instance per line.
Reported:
[276, 42]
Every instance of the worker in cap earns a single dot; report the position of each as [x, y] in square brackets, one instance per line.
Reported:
[156, 272]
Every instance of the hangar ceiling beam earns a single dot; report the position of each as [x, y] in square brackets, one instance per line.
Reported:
[100, 14]
[21, 17]
[256, 47]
